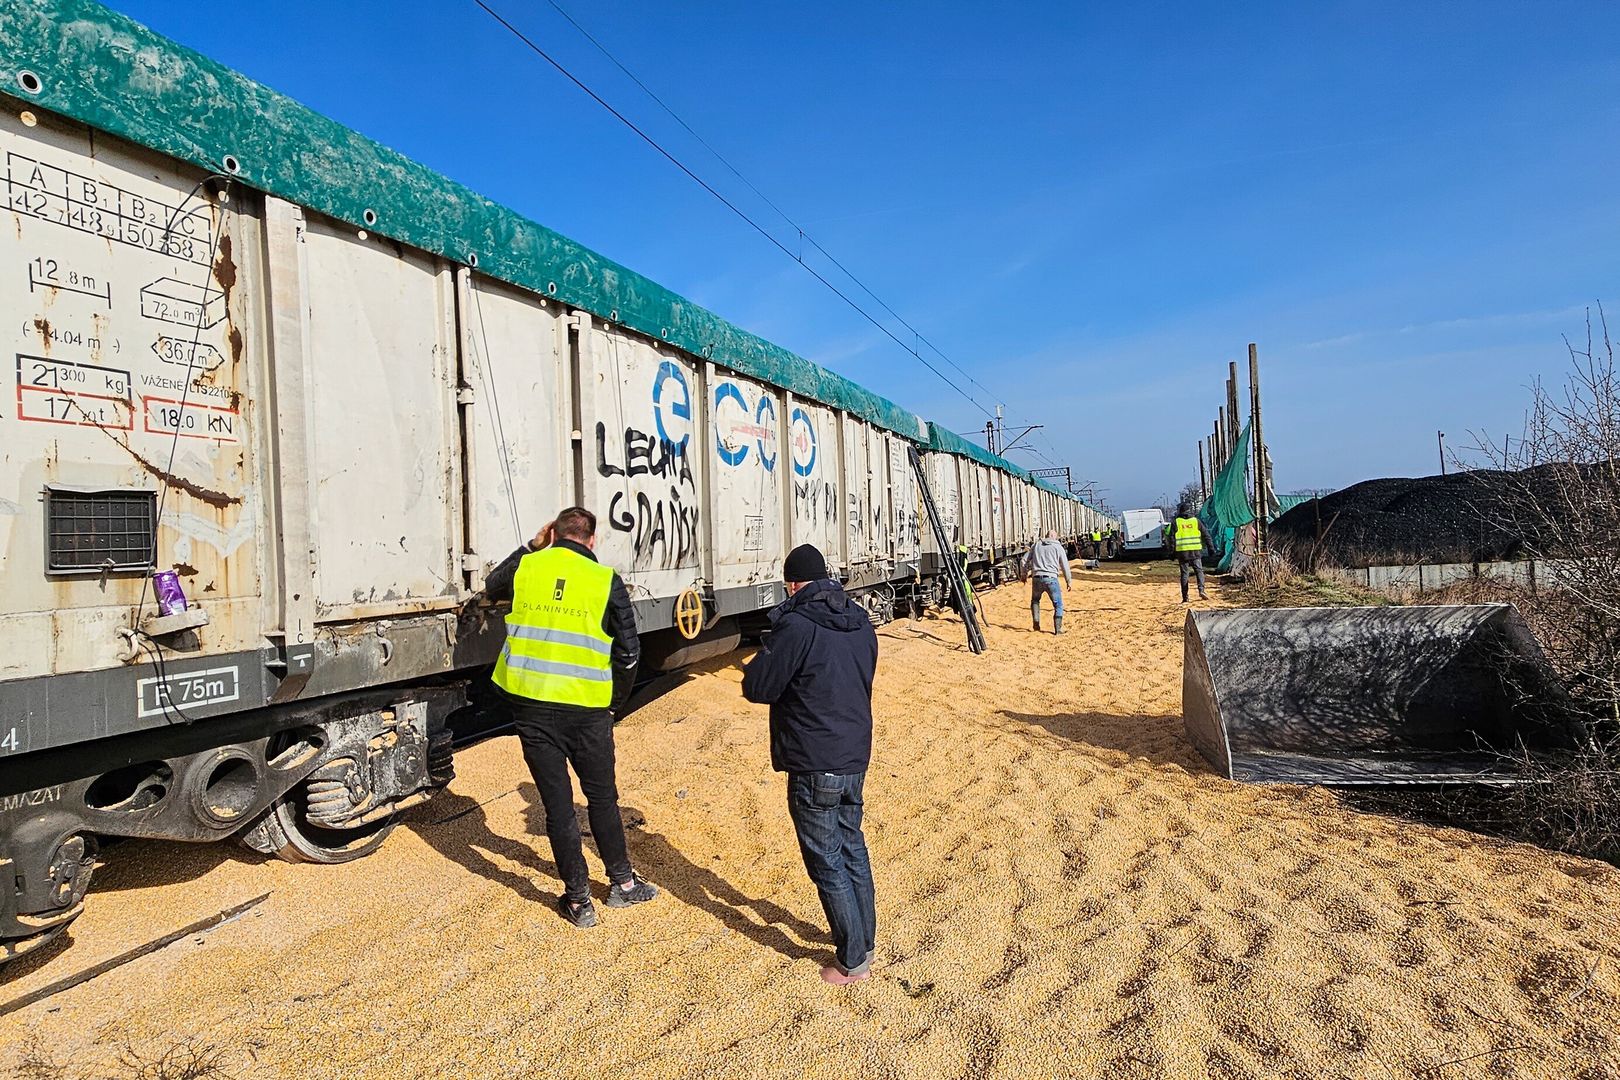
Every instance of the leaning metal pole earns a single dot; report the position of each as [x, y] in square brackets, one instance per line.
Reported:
[955, 571]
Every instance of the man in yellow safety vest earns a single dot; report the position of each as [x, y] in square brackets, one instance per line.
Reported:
[1187, 534]
[568, 665]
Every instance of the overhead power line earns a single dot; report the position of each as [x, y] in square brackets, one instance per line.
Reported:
[915, 351]
[766, 199]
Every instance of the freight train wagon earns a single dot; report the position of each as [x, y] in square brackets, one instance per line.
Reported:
[329, 389]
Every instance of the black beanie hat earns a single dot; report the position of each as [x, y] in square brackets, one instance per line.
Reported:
[804, 563]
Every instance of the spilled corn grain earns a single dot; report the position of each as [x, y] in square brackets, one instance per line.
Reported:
[1063, 890]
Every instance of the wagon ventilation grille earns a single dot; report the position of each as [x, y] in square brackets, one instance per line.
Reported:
[88, 532]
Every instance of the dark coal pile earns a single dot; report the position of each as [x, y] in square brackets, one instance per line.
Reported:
[1464, 517]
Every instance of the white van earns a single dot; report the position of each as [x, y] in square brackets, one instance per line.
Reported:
[1144, 530]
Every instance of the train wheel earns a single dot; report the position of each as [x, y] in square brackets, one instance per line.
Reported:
[13, 948]
[290, 835]
[68, 874]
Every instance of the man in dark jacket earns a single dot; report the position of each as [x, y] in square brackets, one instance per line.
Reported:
[567, 668]
[815, 673]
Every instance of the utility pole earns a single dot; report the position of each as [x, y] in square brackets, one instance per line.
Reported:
[1223, 427]
[994, 437]
[1203, 480]
[1234, 426]
[995, 433]
[1260, 502]
[1442, 441]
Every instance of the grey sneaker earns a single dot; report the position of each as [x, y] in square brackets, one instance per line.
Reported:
[582, 915]
[639, 892]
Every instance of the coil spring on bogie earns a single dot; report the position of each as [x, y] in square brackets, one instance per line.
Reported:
[879, 604]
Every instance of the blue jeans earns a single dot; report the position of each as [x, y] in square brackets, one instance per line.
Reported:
[826, 813]
[1040, 585]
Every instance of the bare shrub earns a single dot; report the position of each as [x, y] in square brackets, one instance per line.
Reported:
[187, 1061]
[36, 1063]
[190, 1060]
[1571, 440]
[1566, 468]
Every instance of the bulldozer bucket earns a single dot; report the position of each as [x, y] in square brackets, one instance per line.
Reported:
[1376, 695]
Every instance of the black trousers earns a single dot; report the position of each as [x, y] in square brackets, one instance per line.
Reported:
[1191, 561]
[553, 739]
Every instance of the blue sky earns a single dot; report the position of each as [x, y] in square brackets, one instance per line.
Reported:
[1090, 208]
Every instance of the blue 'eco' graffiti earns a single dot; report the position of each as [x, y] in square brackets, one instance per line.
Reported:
[808, 439]
[766, 405]
[679, 406]
[721, 393]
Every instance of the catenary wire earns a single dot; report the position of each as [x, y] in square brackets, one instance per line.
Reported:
[804, 236]
[650, 141]
[766, 199]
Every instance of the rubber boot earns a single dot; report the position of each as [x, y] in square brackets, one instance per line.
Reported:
[1057, 624]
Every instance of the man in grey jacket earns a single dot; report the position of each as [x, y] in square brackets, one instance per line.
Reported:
[1044, 563]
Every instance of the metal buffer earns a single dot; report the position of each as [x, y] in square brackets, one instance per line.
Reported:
[955, 572]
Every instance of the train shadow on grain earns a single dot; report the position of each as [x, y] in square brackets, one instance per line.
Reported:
[143, 864]
[460, 832]
[464, 836]
[662, 863]
[14, 971]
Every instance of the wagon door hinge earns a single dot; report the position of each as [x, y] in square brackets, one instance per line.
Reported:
[466, 395]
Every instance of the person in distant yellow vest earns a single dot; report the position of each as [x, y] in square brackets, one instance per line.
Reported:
[1187, 537]
[567, 666]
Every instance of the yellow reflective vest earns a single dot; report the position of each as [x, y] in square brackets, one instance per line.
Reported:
[556, 650]
[1189, 535]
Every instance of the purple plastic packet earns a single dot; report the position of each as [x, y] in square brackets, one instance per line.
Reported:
[171, 600]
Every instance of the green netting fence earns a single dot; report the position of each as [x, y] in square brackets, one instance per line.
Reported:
[1228, 508]
[1286, 503]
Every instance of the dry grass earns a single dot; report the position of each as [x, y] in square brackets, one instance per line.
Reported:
[1286, 588]
[1063, 890]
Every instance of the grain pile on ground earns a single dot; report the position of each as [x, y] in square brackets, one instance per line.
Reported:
[1063, 890]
